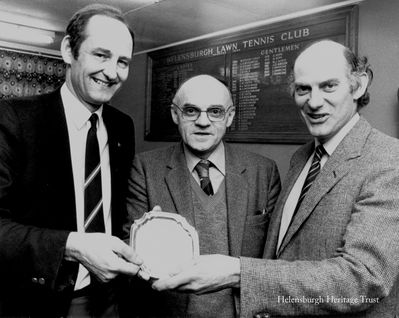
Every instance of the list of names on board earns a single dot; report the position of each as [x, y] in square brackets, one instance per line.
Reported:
[256, 66]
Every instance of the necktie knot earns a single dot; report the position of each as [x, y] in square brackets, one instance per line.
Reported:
[319, 152]
[202, 168]
[93, 121]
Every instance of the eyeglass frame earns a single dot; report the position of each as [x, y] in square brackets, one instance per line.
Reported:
[205, 111]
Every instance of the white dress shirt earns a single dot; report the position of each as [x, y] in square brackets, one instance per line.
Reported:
[293, 197]
[217, 170]
[77, 118]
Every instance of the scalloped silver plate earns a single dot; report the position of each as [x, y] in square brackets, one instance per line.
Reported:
[165, 242]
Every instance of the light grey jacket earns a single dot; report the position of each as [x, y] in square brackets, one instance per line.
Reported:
[343, 244]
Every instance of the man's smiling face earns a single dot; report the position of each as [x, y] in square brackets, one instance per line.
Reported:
[102, 65]
[323, 90]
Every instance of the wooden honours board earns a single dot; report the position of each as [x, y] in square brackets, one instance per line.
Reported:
[255, 64]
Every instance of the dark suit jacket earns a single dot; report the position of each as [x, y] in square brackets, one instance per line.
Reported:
[344, 240]
[160, 177]
[37, 201]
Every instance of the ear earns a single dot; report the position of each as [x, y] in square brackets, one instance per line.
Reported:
[174, 114]
[363, 80]
[230, 116]
[66, 50]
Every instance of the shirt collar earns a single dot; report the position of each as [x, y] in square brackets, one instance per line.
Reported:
[333, 143]
[217, 158]
[75, 110]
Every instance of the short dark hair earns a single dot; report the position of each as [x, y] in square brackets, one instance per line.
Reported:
[77, 25]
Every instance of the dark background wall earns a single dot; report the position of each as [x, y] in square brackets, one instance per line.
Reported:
[378, 39]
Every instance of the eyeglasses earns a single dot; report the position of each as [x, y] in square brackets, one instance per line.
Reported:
[214, 113]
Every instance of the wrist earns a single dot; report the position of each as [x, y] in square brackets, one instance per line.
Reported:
[235, 272]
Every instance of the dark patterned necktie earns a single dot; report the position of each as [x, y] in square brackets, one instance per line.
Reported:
[312, 174]
[202, 169]
[94, 217]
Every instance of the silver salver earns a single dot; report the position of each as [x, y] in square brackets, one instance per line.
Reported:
[165, 242]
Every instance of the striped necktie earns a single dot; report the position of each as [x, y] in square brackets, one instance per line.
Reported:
[202, 169]
[94, 217]
[312, 174]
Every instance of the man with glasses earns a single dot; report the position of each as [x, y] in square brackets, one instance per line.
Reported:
[225, 192]
[332, 247]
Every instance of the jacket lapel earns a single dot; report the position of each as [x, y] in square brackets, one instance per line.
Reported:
[296, 165]
[178, 183]
[113, 142]
[236, 197]
[117, 162]
[336, 167]
[59, 164]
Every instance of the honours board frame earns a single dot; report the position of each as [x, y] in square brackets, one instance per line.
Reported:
[255, 64]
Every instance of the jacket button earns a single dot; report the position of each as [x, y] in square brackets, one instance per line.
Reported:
[42, 281]
[262, 315]
[34, 280]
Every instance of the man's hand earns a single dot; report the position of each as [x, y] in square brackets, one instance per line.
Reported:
[208, 273]
[103, 255]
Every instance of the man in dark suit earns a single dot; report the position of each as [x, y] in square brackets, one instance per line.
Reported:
[229, 207]
[51, 265]
[332, 247]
